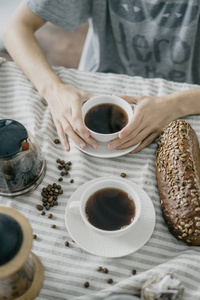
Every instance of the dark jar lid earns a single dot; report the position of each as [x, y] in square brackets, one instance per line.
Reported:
[12, 134]
[10, 238]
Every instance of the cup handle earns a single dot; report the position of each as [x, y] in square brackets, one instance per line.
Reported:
[74, 207]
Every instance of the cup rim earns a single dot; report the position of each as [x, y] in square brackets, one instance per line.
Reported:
[104, 184]
[128, 110]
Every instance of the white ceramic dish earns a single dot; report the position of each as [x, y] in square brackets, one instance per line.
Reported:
[102, 151]
[112, 247]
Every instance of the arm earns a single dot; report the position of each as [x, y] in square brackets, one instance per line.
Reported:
[152, 114]
[64, 101]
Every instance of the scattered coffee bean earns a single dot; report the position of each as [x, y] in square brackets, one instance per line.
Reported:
[58, 160]
[67, 244]
[105, 270]
[99, 269]
[60, 179]
[50, 216]
[123, 175]
[39, 207]
[133, 272]
[34, 236]
[110, 281]
[86, 284]
[57, 141]
[50, 195]
[72, 181]
[43, 213]
[53, 226]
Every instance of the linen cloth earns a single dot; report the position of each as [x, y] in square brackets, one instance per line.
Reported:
[67, 268]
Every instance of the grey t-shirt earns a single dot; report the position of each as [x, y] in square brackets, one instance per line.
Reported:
[148, 38]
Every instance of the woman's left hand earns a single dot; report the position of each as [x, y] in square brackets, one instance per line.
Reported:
[151, 115]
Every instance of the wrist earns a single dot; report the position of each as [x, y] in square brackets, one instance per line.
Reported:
[49, 87]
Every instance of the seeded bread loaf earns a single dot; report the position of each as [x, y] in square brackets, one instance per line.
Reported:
[178, 173]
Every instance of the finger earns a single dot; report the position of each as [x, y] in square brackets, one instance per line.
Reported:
[133, 99]
[133, 140]
[133, 126]
[62, 136]
[67, 128]
[145, 142]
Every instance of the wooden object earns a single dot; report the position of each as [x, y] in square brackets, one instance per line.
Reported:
[21, 272]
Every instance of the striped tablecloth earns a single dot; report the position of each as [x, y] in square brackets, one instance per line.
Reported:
[67, 268]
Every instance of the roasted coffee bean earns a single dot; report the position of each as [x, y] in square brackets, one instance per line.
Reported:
[34, 236]
[58, 186]
[62, 173]
[55, 197]
[48, 207]
[72, 181]
[44, 199]
[105, 270]
[60, 179]
[123, 175]
[57, 141]
[44, 189]
[67, 167]
[39, 207]
[67, 244]
[66, 172]
[55, 185]
[56, 202]
[99, 269]
[62, 162]
[60, 167]
[43, 213]
[69, 163]
[50, 200]
[58, 160]
[86, 284]
[53, 226]
[50, 216]
[51, 204]
[60, 191]
[110, 281]
[133, 272]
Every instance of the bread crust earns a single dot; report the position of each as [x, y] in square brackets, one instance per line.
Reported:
[178, 173]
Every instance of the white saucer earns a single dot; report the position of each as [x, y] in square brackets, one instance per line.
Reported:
[97, 244]
[103, 151]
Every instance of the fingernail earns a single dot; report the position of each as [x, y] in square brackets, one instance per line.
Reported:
[94, 146]
[110, 146]
[82, 146]
[66, 148]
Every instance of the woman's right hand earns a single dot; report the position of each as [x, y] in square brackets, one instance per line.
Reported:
[65, 104]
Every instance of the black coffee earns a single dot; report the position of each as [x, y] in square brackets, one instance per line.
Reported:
[106, 118]
[110, 209]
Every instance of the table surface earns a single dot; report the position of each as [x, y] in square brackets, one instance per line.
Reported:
[67, 268]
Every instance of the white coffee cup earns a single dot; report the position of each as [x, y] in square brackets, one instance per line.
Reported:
[79, 207]
[106, 99]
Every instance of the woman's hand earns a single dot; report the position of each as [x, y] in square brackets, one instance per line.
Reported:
[65, 104]
[151, 115]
